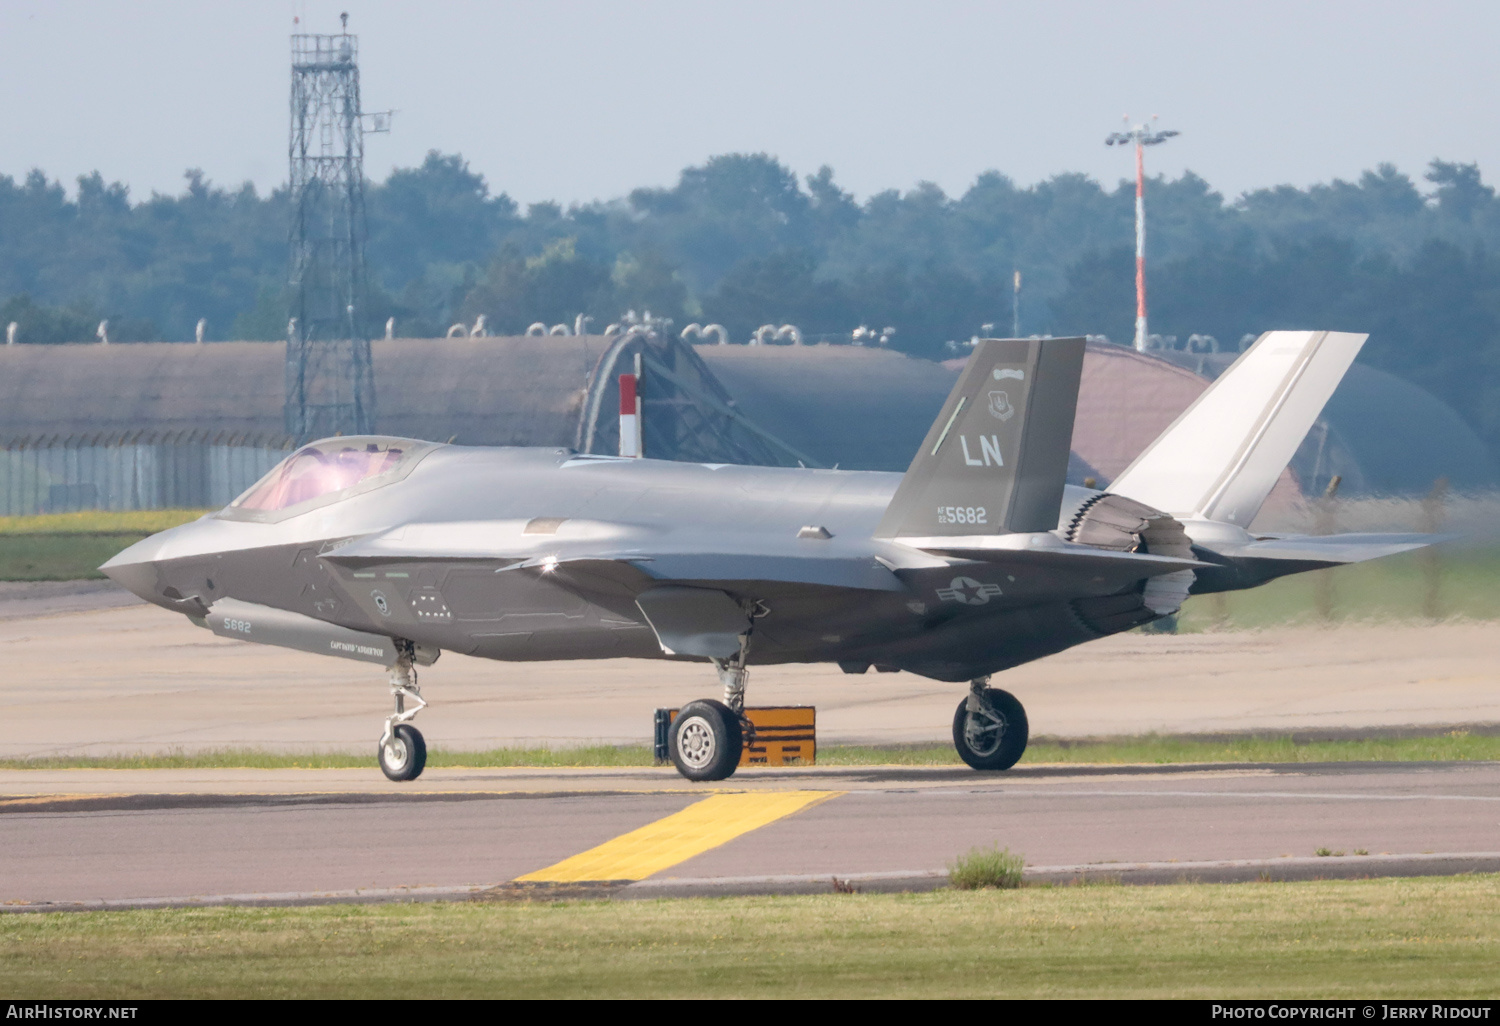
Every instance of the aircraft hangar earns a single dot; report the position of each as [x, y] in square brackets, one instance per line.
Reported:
[819, 405]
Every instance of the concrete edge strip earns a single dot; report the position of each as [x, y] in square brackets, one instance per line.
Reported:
[1349, 867]
[156, 800]
[1218, 871]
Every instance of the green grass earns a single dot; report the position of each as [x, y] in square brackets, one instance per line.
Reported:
[1159, 749]
[141, 522]
[58, 557]
[251, 758]
[1406, 938]
[992, 867]
[70, 546]
[1453, 746]
[1425, 584]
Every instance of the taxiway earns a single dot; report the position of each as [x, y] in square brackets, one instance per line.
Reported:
[296, 836]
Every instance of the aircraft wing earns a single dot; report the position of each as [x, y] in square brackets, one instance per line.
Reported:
[628, 552]
[645, 555]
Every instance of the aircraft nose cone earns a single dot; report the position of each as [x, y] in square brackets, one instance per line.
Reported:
[139, 570]
[135, 570]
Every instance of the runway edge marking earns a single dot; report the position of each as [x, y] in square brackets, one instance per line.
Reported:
[664, 843]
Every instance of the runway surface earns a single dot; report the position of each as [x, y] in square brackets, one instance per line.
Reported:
[84, 680]
[298, 836]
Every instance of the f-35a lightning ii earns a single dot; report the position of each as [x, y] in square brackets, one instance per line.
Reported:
[978, 559]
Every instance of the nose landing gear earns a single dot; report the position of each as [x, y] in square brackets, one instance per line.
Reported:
[402, 751]
[989, 727]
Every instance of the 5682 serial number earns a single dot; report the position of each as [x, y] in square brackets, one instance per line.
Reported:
[961, 515]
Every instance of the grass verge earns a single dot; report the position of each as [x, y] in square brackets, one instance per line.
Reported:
[70, 546]
[140, 521]
[992, 867]
[59, 557]
[1401, 938]
[1151, 749]
[1413, 587]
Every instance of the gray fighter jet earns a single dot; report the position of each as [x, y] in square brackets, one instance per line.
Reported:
[978, 559]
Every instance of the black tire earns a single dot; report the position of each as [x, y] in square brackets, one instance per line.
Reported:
[405, 756]
[995, 741]
[705, 740]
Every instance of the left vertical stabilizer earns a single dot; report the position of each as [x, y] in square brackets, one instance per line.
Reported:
[996, 458]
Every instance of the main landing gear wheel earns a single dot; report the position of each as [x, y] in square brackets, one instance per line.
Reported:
[705, 740]
[989, 729]
[405, 755]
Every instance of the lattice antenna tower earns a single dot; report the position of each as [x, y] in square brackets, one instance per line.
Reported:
[330, 385]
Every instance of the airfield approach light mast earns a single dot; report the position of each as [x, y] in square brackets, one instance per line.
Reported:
[1142, 135]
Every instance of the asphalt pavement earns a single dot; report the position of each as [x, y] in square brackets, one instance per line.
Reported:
[286, 837]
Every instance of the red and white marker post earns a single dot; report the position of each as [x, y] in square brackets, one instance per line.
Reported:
[630, 416]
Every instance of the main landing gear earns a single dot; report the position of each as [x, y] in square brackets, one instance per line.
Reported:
[989, 727]
[707, 737]
[402, 752]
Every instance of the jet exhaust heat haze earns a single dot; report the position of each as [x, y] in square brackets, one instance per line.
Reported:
[979, 558]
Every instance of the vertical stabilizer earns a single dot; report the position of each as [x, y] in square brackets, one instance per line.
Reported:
[1220, 459]
[996, 458]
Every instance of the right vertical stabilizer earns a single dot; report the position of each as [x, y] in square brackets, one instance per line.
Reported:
[1221, 457]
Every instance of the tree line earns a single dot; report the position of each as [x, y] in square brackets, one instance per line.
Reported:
[742, 240]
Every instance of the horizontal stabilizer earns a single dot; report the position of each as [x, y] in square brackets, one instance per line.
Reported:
[1127, 565]
[1221, 457]
[1330, 548]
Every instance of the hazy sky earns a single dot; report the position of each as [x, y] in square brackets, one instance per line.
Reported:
[574, 100]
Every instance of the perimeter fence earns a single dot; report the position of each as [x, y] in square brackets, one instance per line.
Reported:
[132, 470]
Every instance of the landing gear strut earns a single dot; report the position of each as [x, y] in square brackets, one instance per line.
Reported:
[707, 737]
[402, 751]
[989, 727]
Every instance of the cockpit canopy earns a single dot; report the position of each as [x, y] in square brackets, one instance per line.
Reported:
[326, 471]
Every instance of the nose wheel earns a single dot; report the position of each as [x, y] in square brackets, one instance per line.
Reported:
[402, 752]
[404, 756]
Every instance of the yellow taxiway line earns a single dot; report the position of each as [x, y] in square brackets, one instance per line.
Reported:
[677, 838]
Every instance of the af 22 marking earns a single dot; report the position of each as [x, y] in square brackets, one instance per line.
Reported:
[962, 515]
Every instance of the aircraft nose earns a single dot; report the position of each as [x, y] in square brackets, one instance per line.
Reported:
[139, 570]
[135, 569]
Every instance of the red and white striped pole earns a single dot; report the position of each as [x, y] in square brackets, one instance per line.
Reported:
[1140, 246]
[1142, 136]
[630, 416]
